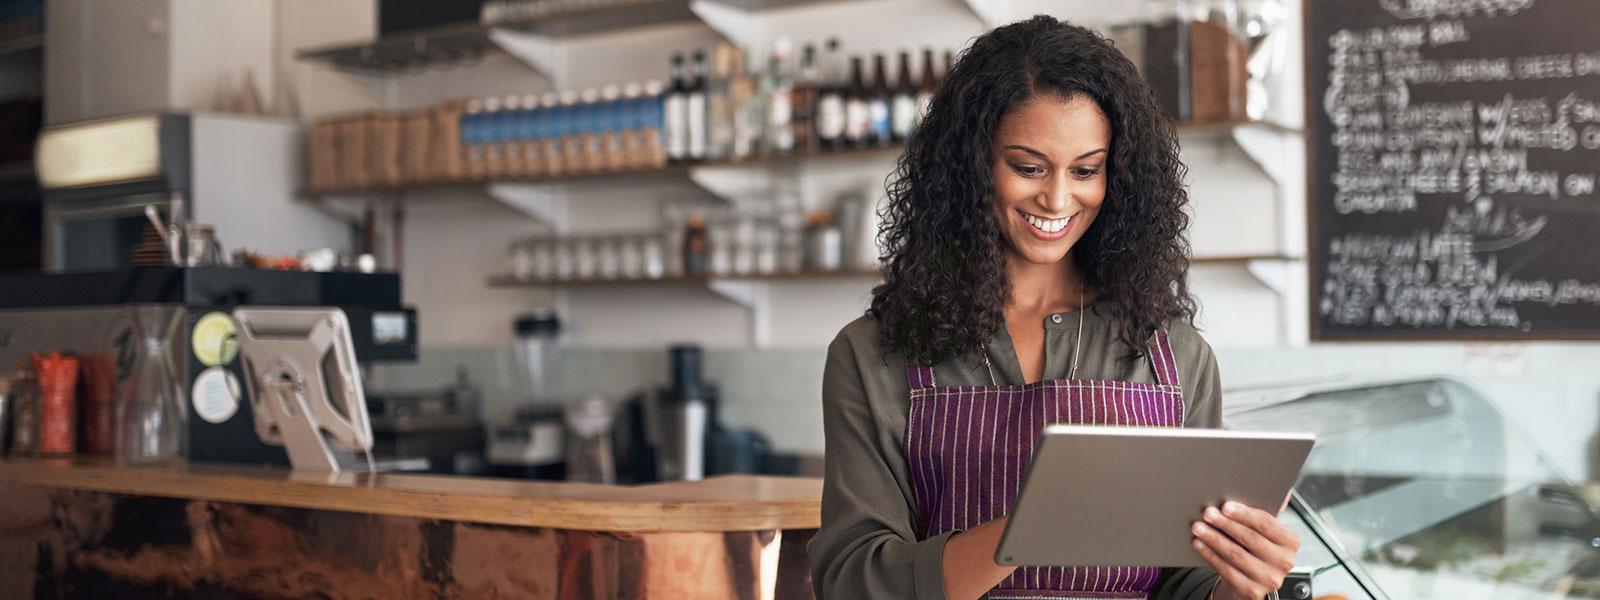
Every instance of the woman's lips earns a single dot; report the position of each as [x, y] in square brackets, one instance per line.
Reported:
[1047, 229]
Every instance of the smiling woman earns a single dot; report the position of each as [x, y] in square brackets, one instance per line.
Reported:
[1037, 269]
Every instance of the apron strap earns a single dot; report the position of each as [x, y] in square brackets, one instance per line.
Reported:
[1161, 360]
[918, 375]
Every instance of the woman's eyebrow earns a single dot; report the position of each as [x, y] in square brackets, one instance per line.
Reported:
[1042, 156]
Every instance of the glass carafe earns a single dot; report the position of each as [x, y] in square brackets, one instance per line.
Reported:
[150, 417]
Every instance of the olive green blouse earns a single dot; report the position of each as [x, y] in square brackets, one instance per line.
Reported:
[867, 546]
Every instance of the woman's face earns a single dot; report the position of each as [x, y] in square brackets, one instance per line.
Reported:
[1049, 169]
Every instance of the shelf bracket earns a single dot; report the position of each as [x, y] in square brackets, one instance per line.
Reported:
[539, 201]
[734, 24]
[753, 296]
[727, 182]
[376, 86]
[1271, 272]
[1287, 278]
[1269, 147]
[538, 52]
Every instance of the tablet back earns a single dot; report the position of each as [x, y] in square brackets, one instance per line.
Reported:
[1126, 496]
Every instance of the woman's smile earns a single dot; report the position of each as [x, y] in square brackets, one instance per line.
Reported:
[1046, 228]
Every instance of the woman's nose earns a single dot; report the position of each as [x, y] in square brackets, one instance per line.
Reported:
[1057, 196]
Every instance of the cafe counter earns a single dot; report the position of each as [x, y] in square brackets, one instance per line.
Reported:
[87, 528]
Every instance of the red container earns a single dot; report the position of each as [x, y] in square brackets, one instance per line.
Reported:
[97, 386]
[58, 412]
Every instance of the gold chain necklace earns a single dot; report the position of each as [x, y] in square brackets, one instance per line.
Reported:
[1076, 349]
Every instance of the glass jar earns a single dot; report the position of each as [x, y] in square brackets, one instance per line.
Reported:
[585, 259]
[655, 256]
[149, 418]
[521, 261]
[608, 258]
[631, 253]
[565, 261]
[543, 253]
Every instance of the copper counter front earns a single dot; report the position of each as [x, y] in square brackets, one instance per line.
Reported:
[81, 529]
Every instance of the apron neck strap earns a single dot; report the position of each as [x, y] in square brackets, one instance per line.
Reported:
[920, 376]
[1161, 360]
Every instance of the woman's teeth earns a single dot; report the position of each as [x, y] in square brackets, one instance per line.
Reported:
[1046, 225]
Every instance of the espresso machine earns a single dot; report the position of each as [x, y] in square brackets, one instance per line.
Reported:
[204, 314]
[676, 432]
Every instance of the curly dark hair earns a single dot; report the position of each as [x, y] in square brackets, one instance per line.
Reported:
[945, 285]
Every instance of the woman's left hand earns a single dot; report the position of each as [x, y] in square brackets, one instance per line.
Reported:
[1253, 557]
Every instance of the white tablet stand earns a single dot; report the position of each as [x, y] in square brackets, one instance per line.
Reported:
[305, 387]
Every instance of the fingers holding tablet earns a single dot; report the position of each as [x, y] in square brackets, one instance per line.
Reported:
[1249, 548]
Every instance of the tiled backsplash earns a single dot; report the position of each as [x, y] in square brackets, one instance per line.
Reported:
[773, 391]
[1550, 389]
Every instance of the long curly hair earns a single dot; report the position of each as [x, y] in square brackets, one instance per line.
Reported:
[945, 285]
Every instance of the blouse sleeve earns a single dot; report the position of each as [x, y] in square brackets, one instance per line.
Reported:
[866, 547]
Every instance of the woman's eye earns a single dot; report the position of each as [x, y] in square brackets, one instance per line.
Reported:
[1027, 170]
[1085, 173]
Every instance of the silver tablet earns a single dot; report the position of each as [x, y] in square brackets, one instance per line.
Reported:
[1126, 496]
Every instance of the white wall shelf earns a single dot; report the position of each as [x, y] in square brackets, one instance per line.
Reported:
[543, 198]
[752, 292]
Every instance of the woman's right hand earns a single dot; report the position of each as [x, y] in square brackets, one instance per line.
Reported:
[968, 561]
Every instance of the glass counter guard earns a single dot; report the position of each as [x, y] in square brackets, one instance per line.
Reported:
[1423, 489]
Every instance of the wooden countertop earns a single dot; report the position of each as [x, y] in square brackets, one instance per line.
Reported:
[726, 503]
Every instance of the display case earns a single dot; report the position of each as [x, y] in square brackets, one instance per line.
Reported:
[1423, 489]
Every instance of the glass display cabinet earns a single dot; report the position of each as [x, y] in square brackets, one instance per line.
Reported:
[1423, 489]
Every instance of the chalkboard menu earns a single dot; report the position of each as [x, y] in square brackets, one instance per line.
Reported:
[1454, 150]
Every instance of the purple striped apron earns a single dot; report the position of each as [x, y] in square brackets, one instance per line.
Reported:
[967, 447]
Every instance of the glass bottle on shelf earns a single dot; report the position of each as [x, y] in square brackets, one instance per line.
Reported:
[472, 139]
[654, 119]
[878, 103]
[150, 417]
[490, 140]
[532, 136]
[903, 108]
[858, 115]
[572, 129]
[630, 120]
[830, 115]
[510, 136]
[695, 110]
[750, 108]
[609, 117]
[590, 131]
[780, 108]
[720, 108]
[803, 101]
[549, 142]
[696, 247]
[676, 113]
